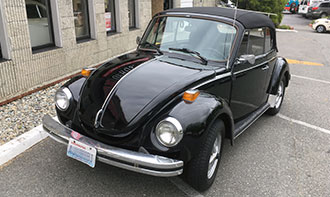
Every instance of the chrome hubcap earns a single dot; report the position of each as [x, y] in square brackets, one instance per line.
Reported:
[279, 95]
[214, 158]
[320, 29]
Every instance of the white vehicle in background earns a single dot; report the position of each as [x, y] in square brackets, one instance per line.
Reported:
[321, 25]
[304, 5]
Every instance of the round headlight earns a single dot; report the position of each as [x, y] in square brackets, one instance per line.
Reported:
[169, 132]
[63, 97]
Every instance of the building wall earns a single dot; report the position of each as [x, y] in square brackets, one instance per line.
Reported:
[196, 3]
[157, 6]
[26, 70]
[205, 3]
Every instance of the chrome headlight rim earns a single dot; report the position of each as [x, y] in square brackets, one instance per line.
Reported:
[178, 127]
[68, 95]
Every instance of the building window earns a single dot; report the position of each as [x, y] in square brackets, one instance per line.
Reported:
[168, 4]
[131, 14]
[110, 16]
[81, 19]
[40, 23]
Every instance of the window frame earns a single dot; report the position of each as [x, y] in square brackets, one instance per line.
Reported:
[88, 19]
[5, 50]
[264, 43]
[50, 24]
[115, 30]
[135, 15]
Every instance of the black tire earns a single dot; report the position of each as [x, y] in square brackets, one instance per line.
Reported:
[279, 99]
[323, 15]
[197, 171]
[320, 29]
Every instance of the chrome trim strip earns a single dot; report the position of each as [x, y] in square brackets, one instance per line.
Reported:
[140, 162]
[256, 66]
[141, 170]
[248, 125]
[212, 80]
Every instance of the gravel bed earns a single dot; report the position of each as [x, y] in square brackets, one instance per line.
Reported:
[26, 113]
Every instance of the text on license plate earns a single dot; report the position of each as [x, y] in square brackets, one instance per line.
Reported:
[81, 152]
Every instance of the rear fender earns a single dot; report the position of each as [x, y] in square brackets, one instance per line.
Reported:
[281, 70]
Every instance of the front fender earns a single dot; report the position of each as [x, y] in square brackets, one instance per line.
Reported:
[74, 85]
[281, 70]
[197, 117]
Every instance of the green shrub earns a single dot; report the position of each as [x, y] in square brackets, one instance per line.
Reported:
[269, 6]
[284, 27]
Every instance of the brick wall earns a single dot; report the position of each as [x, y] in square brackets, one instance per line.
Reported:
[26, 70]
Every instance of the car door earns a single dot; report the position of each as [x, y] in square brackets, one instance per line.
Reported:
[249, 80]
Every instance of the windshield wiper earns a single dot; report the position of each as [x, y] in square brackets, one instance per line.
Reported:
[153, 46]
[185, 50]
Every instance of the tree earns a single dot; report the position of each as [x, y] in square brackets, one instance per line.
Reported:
[269, 6]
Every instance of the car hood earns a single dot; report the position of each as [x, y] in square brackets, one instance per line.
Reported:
[119, 94]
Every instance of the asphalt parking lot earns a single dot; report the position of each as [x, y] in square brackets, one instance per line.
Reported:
[285, 155]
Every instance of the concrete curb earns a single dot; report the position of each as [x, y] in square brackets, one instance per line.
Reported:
[13, 148]
[287, 30]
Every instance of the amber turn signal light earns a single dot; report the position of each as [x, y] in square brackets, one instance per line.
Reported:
[86, 72]
[190, 95]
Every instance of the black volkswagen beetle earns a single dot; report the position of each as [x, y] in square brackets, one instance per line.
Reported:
[198, 76]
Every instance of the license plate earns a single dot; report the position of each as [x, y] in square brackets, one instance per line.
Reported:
[81, 152]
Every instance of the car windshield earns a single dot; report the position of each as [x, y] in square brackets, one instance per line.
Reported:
[212, 40]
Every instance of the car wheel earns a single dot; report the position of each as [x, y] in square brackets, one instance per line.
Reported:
[320, 29]
[323, 15]
[279, 99]
[201, 171]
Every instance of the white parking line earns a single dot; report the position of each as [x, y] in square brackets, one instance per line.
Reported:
[304, 124]
[184, 187]
[312, 79]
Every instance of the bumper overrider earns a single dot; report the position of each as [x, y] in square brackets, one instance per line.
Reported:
[131, 160]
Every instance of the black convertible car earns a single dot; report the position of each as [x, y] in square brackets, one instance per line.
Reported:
[198, 76]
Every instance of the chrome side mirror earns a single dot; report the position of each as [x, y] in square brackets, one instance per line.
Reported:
[138, 40]
[251, 59]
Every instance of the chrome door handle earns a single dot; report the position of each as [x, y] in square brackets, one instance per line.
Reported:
[265, 67]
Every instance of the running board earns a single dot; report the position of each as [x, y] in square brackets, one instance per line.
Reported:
[242, 125]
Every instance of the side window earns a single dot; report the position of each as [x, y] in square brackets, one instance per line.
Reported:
[268, 40]
[256, 41]
[326, 5]
[244, 44]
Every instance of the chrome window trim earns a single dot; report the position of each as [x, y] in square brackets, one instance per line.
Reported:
[221, 76]
[256, 66]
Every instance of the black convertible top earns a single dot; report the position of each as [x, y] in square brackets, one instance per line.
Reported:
[248, 19]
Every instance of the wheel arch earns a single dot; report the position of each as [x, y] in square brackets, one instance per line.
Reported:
[281, 70]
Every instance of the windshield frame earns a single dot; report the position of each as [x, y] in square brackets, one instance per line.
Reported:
[202, 17]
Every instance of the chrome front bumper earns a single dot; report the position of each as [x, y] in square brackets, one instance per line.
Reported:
[135, 161]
